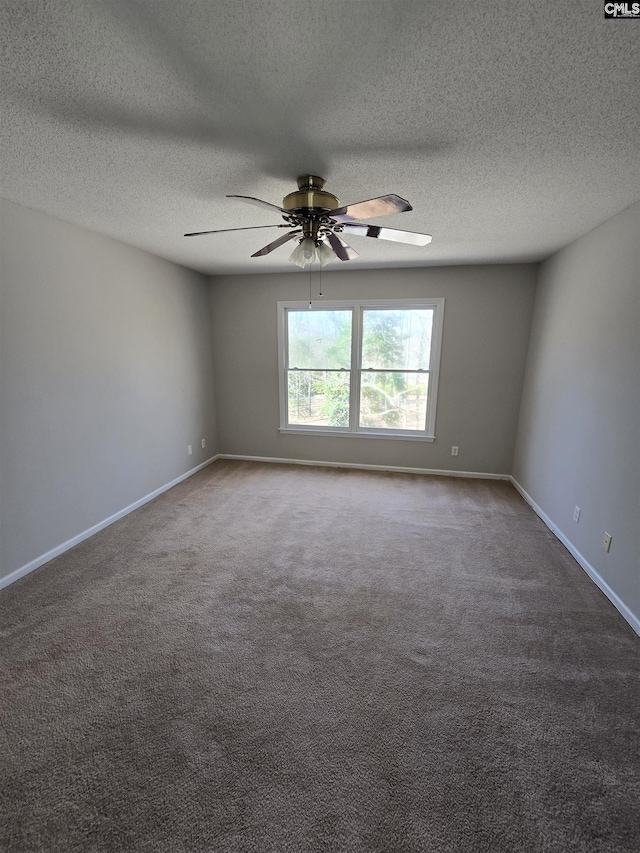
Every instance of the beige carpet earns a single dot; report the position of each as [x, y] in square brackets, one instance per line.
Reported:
[277, 658]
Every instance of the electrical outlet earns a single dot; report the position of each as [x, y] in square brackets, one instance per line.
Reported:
[454, 450]
[606, 541]
[189, 451]
[204, 443]
[576, 514]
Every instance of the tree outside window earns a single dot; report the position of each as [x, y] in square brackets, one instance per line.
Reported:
[382, 384]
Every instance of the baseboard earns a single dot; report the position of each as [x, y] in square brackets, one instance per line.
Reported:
[615, 599]
[396, 468]
[70, 543]
[599, 581]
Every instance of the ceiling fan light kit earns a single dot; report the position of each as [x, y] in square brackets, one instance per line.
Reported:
[307, 251]
[317, 220]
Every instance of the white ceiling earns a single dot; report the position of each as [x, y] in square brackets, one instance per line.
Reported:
[512, 126]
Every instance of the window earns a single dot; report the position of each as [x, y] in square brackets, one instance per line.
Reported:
[360, 368]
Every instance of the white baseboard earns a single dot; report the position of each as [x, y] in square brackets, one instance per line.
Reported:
[396, 468]
[70, 543]
[615, 599]
[599, 581]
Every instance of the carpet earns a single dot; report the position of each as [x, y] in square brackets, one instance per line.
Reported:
[288, 659]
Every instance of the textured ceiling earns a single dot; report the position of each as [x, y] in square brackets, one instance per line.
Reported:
[512, 127]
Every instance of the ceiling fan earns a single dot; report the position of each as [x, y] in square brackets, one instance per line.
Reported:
[317, 221]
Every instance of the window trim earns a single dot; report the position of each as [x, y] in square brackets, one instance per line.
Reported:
[358, 306]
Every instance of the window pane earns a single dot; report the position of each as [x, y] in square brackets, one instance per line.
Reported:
[393, 400]
[319, 340]
[397, 339]
[319, 398]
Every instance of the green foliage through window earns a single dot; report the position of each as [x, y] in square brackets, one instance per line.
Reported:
[392, 376]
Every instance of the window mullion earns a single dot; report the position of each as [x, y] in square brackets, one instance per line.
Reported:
[356, 350]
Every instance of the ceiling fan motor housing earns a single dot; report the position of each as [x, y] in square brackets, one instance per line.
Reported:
[310, 196]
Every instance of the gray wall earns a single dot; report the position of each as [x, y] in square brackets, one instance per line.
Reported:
[106, 374]
[579, 435]
[486, 330]
[105, 377]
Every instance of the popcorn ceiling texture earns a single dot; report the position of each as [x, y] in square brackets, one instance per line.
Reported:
[280, 659]
[512, 127]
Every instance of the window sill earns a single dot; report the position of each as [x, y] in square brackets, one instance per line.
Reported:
[393, 436]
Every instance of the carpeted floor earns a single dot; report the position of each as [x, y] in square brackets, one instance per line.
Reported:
[275, 658]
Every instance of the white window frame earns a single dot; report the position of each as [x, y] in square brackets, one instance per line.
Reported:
[358, 307]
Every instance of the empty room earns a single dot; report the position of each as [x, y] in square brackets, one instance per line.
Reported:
[319, 426]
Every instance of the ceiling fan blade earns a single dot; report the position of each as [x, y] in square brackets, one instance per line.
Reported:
[344, 252]
[248, 228]
[279, 242]
[388, 234]
[257, 202]
[382, 206]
